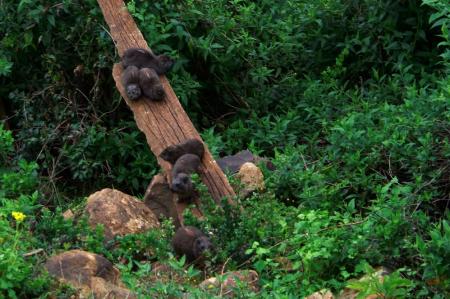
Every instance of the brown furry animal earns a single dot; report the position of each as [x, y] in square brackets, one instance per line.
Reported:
[181, 171]
[130, 79]
[191, 242]
[142, 58]
[141, 73]
[150, 85]
[190, 146]
[185, 158]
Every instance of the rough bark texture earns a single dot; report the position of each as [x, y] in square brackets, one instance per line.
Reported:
[163, 123]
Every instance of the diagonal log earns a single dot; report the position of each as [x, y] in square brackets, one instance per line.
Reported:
[164, 123]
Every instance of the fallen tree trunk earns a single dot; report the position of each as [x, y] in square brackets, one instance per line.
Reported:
[164, 123]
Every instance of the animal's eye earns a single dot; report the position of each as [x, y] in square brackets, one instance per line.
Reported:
[185, 180]
[200, 245]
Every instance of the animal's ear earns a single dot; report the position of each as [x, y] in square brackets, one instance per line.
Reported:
[190, 232]
[166, 62]
[167, 154]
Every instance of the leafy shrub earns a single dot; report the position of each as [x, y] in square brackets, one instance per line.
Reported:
[441, 18]
[145, 246]
[390, 286]
[55, 232]
[18, 276]
[435, 252]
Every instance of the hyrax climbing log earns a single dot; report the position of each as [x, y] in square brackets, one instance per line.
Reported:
[164, 123]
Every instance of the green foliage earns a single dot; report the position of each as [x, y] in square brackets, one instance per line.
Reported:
[96, 147]
[18, 276]
[298, 251]
[55, 232]
[441, 19]
[6, 148]
[145, 246]
[23, 179]
[369, 146]
[388, 286]
[5, 67]
[435, 253]
[214, 142]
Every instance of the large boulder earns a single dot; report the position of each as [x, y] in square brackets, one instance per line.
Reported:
[120, 213]
[161, 200]
[90, 273]
[225, 284]
[252, 179]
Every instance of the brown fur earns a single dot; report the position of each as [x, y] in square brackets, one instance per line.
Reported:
[181, 171]
[150, 84]
[191, 242]
[130, 79]
[141, 73]
[190, 146]
[143, 58]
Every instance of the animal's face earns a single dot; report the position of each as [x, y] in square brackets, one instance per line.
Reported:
[201, 245]
[159, 92]
[182, 183]
[166, 62]
[133, 91]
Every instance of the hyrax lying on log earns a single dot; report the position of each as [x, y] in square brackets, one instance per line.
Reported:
[150, 84]
[191, 242]
[186, 159]
[140, 74]
[190, 146]
[130, 79]
[143, 58]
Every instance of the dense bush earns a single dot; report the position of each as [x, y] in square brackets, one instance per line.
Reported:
[349, 98]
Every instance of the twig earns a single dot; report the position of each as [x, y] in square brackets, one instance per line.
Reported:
[222, 271]
[304, 162]
[33, 252]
